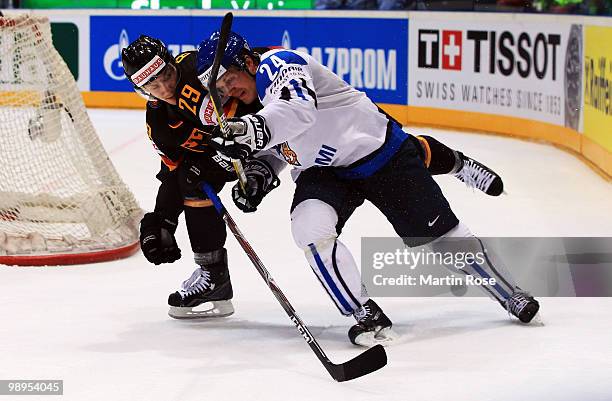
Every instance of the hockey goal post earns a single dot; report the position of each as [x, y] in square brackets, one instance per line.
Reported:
[61, 199]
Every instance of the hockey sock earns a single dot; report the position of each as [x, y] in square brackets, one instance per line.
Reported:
[439, 158]
[497, 283]
[334, 266]
[329, 258]
[206, 229]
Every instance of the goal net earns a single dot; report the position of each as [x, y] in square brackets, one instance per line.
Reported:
[61, 200]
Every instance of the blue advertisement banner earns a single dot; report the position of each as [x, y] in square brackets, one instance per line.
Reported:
[365, 52]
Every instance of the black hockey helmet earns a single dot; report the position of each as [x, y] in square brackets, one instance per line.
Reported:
[144, 59]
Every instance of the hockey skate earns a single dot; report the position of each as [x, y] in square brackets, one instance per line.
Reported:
[373, 327]
[205, 294]
[476, 175]
[523, 306]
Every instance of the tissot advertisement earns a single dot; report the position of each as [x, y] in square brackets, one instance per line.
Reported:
[530, 71]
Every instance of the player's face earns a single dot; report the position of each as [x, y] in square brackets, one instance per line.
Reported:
[237, 84]
[164, 85]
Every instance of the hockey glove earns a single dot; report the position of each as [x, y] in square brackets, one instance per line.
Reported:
[193, 172]
[246, 135]
[261, 179]
[157, 239]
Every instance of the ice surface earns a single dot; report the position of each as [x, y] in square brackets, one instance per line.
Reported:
[103, 328]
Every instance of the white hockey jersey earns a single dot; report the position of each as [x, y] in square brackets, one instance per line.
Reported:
[314, 117]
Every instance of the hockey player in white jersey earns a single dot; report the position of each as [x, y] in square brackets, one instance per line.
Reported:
[344, 150]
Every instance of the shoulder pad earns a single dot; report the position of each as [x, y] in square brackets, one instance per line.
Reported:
[277, 67]
[288, 56]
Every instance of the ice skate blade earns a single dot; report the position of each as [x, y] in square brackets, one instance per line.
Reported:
[536, 321]
[384, 337]
[206, 310]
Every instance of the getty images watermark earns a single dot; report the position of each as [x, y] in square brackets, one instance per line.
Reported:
[412, 259]
[543, 266]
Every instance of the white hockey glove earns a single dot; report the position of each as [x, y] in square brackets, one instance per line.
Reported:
[246, 135]
[261, 179]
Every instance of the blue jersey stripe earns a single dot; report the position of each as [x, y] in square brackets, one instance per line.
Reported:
[381, 158]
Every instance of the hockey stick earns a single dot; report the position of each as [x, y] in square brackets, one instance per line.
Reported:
[226, 26]
[367, 362]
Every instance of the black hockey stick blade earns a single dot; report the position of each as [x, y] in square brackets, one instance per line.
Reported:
[367, 362]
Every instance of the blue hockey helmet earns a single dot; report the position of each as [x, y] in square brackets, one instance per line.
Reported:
[235, 50]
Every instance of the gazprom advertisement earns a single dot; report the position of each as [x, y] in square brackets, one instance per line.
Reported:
[356, 49]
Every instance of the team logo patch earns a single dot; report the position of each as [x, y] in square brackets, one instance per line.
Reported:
[207, 112]
[288, 154]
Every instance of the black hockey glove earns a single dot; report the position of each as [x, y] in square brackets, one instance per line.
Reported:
[246, 135]
[193, 172]
[157, 239]
[261, 179]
